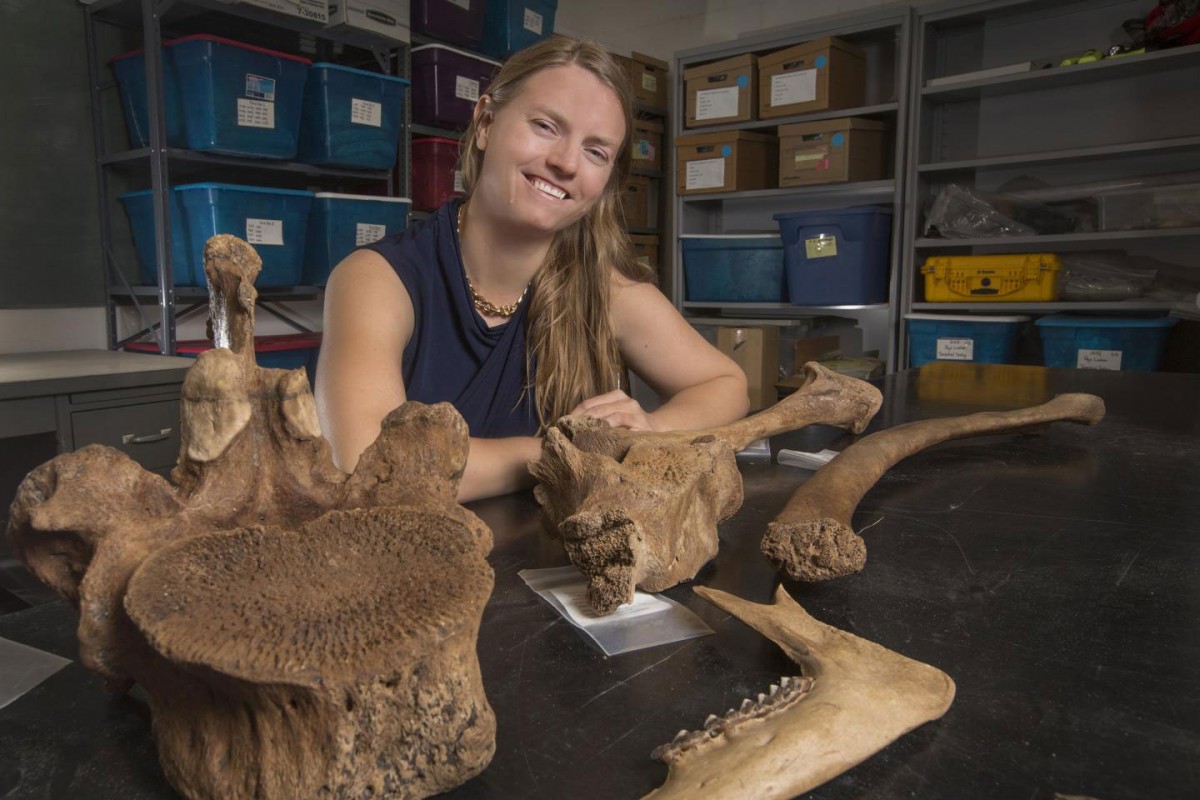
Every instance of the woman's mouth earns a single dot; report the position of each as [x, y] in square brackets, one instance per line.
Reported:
[548, 189]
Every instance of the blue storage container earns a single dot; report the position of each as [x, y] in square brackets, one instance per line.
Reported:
[339, 223]
[1116, 343]
[351, 117]
[742, 268]
[838, 257]
[130, 72]
[977, 339]
[512, 25]
[139, 208]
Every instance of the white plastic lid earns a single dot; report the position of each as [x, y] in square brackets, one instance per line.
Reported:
[968, 317]
[363, 197]
[466, 53]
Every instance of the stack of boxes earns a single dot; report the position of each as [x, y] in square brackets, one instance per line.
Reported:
[642, 197]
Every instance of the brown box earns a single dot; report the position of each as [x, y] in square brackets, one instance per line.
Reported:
[647, 144]
[832, 150]
[645, 247]
[649, 76]
[637, 202]
[726, 162]
[756, 351]
[814, 349]
[721, 92]
[815, 76]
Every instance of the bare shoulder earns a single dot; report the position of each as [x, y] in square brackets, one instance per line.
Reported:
[365, 298]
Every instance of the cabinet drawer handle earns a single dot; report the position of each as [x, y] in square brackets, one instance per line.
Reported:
[133, 438]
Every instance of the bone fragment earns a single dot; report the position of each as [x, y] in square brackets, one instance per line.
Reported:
[640, 510]
[812, 539]
[854, 698]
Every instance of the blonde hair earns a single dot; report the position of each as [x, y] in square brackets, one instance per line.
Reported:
[572, 349]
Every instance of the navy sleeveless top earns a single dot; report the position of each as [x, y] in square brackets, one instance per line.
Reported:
[453, 355]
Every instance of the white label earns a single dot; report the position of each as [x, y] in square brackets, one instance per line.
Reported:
[575, 603]
[462, 4]
[1098, 359]
[649, 82]
[794, 87]
[264, 231]
[955, 350]
[533, 21]
[466, 89]
[255, 113]
[366, 232]
[717, 103]
[458, 181]
[366, 112]
[706, 174]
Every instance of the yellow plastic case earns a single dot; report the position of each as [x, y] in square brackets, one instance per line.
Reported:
[1016, 278]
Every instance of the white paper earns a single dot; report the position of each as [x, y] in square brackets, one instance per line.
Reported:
[466, 89]
[533, 21]
[575, 603]
[255, 113]
[794, 87]
[366, 112]
[760, 448]
[717, 103]
[458, 182]
[367, 232]
[649, 82]
[1098, 359]
[955, 350]
[264, 231]
[804, 460]
[708, 173]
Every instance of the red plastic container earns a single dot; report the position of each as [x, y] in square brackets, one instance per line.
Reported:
[435, 173]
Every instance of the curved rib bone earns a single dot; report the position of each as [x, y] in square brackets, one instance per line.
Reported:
[854, 699]
[812, 539]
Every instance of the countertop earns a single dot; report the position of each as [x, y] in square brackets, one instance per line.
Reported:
[60, 371]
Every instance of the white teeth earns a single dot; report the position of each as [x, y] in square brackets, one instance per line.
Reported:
[712, 720]
[547, 188]
[774, 690]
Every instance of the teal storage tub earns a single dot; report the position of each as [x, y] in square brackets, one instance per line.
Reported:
[339, 223]
[1113, 343]
[139, 208]
[512, 25]
[837, 257]
[352, 117]
[974, 339]
[735, 268]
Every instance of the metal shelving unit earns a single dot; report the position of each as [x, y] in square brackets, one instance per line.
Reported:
[885, 35]
[157, 20]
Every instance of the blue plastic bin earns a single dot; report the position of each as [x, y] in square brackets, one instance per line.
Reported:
[512, 25]
[1115, 343]
[976, 339]
[130, 71]
[837, 257]
[139, 208]
[339, 223]
[351, 117]
[742, 268]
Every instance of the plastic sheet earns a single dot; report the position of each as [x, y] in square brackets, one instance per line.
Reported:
[23, 667]
[1103, 276]
[961, 213]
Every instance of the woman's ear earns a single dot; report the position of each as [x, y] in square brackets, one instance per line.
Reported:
[483, 121]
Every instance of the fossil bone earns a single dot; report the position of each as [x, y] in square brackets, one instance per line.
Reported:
[812, 539]
[640, 510]
[299, 632]
[854, 698]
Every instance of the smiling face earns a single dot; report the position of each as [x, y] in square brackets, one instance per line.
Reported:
[549, 152]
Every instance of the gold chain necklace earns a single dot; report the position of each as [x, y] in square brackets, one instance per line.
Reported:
[482, 304]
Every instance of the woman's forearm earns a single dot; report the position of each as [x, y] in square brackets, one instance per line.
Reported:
[498, 466]
[705, 405]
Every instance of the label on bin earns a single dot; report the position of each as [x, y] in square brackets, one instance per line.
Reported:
[458, 181]
[822, 246]
[649, 82]
[955, 350]
[708, 173]
[367, 232]
[255, 113]
[794, 87]
[466, 89]
[1098, 359]
[533, 21]
[264, 231]
[717, 103]
[366, 112]
[260, 88]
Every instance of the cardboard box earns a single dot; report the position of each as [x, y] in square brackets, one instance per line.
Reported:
[649, 76]
[726, 162]
[647, 144]
[815, 76]
[832, 150]
[722, 92]
[756, 351]
[814, 349]
[388, 18]
[637, 200]
[645, 247]
[314, 10]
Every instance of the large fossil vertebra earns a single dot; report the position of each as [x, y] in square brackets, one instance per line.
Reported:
[812, 539]
[640, 510]
[300, 632]
[854, 698]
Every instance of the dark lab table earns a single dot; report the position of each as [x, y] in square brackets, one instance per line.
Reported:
[1055, 578]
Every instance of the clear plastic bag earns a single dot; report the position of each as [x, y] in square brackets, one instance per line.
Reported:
[961, 213]
[1103, 276]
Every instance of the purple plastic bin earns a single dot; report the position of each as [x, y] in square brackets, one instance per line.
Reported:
[456, 21]
[446, 83]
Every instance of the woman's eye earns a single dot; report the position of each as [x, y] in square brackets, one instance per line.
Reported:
[599, 156]
[541, 124]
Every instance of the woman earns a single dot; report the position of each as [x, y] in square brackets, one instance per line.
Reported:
[523, 303]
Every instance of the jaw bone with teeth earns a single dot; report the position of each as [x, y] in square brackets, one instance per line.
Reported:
[855, 698]
[640, 510]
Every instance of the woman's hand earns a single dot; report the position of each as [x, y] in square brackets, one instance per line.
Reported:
[618, 409]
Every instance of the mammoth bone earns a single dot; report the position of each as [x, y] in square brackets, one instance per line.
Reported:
[812, 539]
[300, 632]
[640, 510]
[854, 698]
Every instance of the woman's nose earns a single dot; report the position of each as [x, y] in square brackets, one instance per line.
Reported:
[564, 156]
